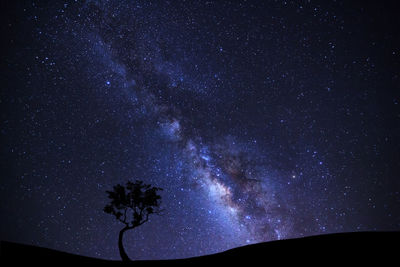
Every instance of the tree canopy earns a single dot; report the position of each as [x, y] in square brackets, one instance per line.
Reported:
[132, 204]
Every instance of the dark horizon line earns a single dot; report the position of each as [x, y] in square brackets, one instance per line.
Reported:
[374, 240]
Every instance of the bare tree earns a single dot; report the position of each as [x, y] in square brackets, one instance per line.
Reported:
[131, 205]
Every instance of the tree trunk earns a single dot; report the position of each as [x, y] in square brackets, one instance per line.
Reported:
[122, 252]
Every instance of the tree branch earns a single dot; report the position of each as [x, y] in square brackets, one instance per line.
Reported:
[141, 211]
[125, 214]
[124, 222]
[158, 212]
[145, 220]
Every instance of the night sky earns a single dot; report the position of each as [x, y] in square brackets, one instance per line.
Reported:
[261, 120]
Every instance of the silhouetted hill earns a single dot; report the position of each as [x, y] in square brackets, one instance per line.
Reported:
[344, 248]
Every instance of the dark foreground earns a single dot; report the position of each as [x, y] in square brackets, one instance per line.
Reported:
[345, 248]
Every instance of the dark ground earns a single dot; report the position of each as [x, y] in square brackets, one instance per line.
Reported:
[345, 248]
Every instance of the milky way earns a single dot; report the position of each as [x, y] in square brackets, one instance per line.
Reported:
[261, 121]
[219, 168]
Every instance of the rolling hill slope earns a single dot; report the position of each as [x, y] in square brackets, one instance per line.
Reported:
[344, 248]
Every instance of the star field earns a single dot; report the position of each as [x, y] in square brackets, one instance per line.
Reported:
[260, 120]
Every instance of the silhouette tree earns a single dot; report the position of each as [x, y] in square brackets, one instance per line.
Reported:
[132, 205]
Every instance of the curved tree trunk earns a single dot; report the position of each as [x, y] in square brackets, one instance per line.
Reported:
[122, 252]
